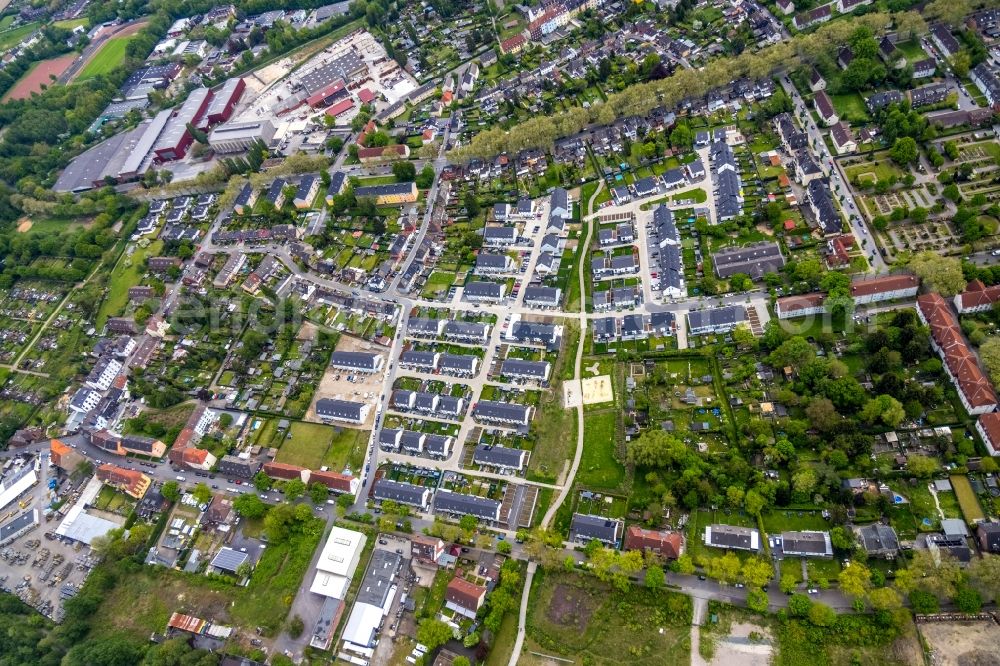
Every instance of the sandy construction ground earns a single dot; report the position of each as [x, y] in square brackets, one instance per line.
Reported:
[737, 648]
[962, 643]
[597, 389]
[363, 388]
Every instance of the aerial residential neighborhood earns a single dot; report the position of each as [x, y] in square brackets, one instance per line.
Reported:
[494, 334]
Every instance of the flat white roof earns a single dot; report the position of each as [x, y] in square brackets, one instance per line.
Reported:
[12, 492]
[330, 585]
[341, 552]
[362, 624]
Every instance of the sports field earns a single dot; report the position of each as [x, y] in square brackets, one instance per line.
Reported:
[40, 73]
[106, 60]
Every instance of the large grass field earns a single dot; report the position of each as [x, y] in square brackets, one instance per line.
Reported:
[314, 445]
[599, 468]
[144, 604]
[125, 275]
[69, 24]
[106, 60]
[580, 618]
[9, 38]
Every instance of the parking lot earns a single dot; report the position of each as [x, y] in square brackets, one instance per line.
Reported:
[41, 569]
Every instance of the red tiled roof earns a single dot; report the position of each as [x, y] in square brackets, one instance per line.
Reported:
[365, 95]
[882, 284]
[977, 294]
[340, 107]
[194, 456]
[800, 302]
[961, 362]
[332, 480]
[669, 544]
[282, 471]
[465, 594]
[991, 426]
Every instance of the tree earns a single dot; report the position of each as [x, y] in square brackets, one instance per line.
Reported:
[842, 539]
[795, 352]
[821, 615]
[684, 565]
[753, 502]
[941, 274]
[656, 448]
[262, 481]
[921, 466]
[884, 599]
[344, 502]
[425, 178]
[468, 523]
[968, 600]
[989, 352]
[885, 409]
[471, 204]
[296, 626]
[757, 600]
[294, 489]
[924, 603]
[171, 491]
[904, 151]
[822, 414]
[318, 493]
[202, 493]
[757, 571]
[461, 660]
[404, 171]
[433, 633]
[799, 605]
[504, 548]
[984, 575]
[855, 580]
[655, 578]
[938, 574]
[249, 506]
[725, 569]
[471, 641]
[788, 583]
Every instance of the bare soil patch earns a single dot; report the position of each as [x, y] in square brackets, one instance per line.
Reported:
[962, 643]
[40, 75]
[570, 607]
[24, 226]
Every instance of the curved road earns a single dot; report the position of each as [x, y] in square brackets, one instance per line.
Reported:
[522, 620]
[567, 485]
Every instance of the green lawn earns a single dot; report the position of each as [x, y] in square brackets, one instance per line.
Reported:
[9, 38]
[315, 445]
[69, 24]
[599, 468]
[850, 107]
[438, 281]
[125, 275]
[107, 59]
